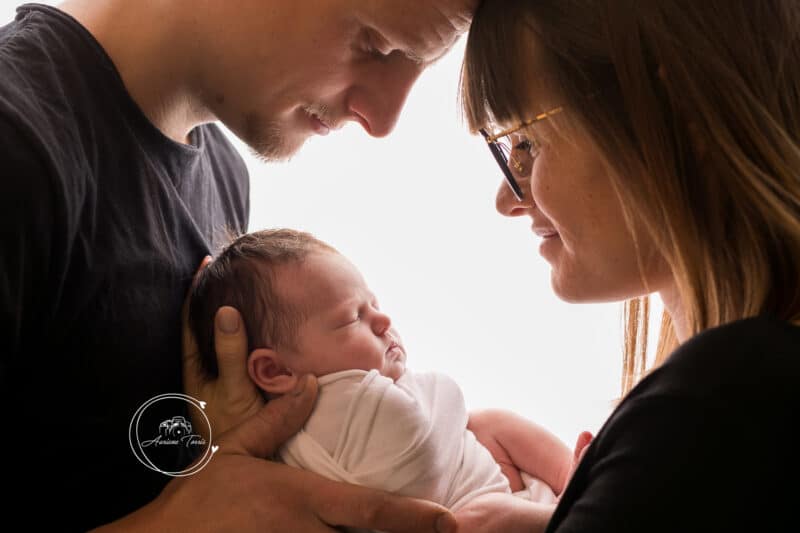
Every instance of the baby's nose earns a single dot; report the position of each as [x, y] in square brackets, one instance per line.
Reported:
[381, 323]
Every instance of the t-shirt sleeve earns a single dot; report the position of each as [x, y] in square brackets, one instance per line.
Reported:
[31, 239]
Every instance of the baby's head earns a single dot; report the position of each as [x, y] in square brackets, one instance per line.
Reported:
[305, 306]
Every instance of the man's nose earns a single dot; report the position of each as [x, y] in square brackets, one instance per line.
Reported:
[508, 205]
[378, 98]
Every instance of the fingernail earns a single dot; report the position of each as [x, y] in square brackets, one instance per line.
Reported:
[300, 386]
[446, 523]
[228, 320]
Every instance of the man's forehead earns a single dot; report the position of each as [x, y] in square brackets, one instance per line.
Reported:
[428, 28]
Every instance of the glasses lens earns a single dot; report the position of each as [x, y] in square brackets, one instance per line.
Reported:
[516, 151]
[512, 160]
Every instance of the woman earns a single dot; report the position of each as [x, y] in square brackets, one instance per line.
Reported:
[656, 148]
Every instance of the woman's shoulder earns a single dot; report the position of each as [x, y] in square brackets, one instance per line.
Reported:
[743, 374]
[761, 333]
[709, 429]
[754, 354]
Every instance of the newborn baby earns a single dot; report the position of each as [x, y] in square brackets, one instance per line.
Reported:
[308, 310]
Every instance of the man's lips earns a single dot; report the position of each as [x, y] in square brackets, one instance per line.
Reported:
[319, 126]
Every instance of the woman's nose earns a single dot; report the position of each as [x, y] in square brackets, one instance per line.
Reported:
[507, 204]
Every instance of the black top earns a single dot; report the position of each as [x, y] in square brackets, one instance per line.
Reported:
[705, 443]
[103, 221]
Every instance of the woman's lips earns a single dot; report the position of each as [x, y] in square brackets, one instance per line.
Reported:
[545, 233]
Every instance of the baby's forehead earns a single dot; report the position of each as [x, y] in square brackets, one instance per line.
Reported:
[320, 280]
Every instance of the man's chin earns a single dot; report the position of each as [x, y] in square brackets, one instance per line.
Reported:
[271, 141]
[277, 152]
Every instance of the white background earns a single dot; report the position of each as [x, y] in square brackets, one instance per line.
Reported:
[465, 287]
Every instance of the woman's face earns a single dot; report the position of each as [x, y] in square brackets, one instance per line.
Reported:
[578, 217]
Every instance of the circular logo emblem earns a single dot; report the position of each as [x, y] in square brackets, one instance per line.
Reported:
[163, 439]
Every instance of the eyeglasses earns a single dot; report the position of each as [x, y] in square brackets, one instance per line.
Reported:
[503, 148]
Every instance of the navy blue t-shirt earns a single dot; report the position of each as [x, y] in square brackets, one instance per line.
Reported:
[103, 221]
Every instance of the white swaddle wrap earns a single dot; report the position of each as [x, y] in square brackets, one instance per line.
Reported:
[407, 437]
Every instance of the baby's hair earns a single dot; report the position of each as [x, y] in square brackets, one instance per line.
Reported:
[243, 276]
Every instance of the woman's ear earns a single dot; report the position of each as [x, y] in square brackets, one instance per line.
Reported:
[269, 373]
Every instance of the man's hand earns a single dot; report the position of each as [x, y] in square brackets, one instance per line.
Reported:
[239, 491]
[232, 397]
[495, 512]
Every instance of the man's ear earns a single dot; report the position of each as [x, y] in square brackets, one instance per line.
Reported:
[269, 373]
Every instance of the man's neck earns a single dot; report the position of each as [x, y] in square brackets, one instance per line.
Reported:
[152, 56]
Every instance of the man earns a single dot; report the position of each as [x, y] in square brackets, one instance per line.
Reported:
[115, 185]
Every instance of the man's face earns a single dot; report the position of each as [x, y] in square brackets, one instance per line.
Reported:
[343, 327]
[289, 69]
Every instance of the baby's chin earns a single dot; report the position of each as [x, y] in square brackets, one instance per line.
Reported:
[395, 371]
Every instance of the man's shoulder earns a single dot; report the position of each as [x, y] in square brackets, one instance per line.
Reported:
[43, 82]
[38, 51]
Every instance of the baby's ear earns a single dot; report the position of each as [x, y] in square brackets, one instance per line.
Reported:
[269, 373]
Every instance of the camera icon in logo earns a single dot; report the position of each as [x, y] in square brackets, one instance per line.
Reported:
[175, 428]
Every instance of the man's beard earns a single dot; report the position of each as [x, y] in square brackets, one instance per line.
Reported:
[267, 141]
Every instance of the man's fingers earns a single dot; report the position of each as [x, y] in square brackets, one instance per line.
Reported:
[230, 343]
[262, 434]
[341, 504]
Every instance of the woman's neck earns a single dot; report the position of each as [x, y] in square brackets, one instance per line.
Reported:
[674, 307]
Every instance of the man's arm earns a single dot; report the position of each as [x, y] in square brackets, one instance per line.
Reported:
[494, 512]
[525, 445]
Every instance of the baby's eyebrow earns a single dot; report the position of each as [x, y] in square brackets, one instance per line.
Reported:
[342, 306]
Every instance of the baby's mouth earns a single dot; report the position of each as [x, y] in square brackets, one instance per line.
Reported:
[394, 347]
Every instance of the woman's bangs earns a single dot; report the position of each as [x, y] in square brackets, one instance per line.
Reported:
[495, 77]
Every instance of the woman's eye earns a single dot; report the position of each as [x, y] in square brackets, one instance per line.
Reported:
[524, 144]
[528, 147]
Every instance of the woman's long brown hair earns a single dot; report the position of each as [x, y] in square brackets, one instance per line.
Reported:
[695, 107]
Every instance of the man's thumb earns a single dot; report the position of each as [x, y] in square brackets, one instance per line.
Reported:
[263, 433]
